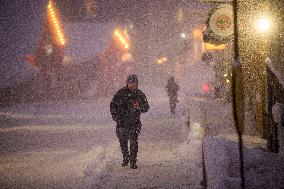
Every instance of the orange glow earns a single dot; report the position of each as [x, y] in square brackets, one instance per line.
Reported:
[197, 34]
[54, 21]
[30, 59]
[126, 57]
[121, 38]
[162, 60]
[210, 46]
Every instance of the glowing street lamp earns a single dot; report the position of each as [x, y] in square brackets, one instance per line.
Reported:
[263, 24]
[183, 35]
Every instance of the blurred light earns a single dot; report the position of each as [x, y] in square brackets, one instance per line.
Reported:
[263, 24]
[225, 75]
[182, 35]
[162, 60]
[205, 88]
[53, 19]
[210, 46]
[227, 81]
[126, 57]
[30, 59]
[49, 51]
[197, 34]
[121, 38]
[66, 59]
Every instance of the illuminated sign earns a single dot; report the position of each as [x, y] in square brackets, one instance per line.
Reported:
[221, 21]
[220, 25]
[210, 46]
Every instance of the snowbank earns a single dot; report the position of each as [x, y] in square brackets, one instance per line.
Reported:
[262, 169]
[217, 164]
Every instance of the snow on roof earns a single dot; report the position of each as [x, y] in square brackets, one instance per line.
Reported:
[86, 39]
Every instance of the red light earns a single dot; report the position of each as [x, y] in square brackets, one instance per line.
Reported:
[30, 59]
[205, 88]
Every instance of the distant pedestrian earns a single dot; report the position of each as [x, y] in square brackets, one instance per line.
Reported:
[126, 107]
[172, 89]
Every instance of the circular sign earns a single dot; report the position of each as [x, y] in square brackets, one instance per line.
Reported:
[221, 21]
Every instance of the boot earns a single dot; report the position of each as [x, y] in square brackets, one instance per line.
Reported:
[125, 161]
[133, 165]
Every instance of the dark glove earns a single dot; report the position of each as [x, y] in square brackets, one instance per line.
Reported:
[118, 121]
[114, 116]
[138, 129]
[136, 105]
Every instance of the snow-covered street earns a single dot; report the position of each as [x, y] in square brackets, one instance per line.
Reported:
[73, 145]
[51, 146]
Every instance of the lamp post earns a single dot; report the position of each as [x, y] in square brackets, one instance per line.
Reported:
[237, 92]
[262, 25]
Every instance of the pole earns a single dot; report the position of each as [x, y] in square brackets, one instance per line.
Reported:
[237, 92]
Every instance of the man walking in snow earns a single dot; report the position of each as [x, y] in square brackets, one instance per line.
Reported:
[172, 89]
[126, 107]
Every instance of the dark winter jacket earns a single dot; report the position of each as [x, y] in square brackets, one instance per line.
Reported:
[172, 88]
[122, 109]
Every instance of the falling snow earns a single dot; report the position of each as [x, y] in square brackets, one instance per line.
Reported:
[56, 130]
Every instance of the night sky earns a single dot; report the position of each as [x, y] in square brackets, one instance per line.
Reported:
[114, 10]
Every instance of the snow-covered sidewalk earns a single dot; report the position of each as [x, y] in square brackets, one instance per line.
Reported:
[167, 158]
[262, 169]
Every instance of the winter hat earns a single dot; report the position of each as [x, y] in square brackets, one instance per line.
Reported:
[132, 79]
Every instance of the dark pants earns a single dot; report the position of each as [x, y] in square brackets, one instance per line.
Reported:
[128, 134]
[173, 100]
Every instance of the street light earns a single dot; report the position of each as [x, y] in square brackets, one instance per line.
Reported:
[183, 35]
[162, 60]
[263, 24]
